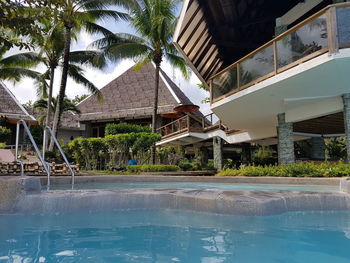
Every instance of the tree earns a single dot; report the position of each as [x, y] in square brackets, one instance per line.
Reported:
[41, 105]
[16, 67]
[51, 46]
[82, 14]
[154, 22]
[19, 21]
[79, 98]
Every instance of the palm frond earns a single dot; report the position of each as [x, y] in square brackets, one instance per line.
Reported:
[90, 58]
[23, 60]
[179, 63]
[77, 74]
[17, 74]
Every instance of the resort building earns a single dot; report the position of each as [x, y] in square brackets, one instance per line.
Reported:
[129, 99]
[11, 111]
[278, 71]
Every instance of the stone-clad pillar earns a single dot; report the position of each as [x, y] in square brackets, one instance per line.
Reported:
[346, 101]
[218, 153]
[285, 141]
[318, 148]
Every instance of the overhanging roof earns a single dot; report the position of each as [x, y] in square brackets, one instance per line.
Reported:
[212, 34]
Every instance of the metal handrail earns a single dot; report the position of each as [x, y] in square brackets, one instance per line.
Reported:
[26, 129]
[61, 151]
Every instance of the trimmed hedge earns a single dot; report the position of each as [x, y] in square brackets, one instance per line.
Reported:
[113, 129]
[152, 168]
[305, 169]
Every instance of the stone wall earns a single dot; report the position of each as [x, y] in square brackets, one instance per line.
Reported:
[35, 168]
[345, 185]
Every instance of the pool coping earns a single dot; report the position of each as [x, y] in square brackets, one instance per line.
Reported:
[23, 195]
[216, 179]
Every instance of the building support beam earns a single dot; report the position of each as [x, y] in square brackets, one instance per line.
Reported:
[285, 140]
[318, 148]
[346, 101]
[246, 156]
[218, 153]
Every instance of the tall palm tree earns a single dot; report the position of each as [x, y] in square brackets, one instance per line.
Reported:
[154, 22]
[16, 67]
[51, 53]
[83, 14]
[42, 104]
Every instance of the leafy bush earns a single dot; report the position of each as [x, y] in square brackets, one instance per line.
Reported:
[152, 168]
[264, 156]
[5, 134]
[305, 169]
[113, 129]
[336, 148]
[113, 151]
[185, 165]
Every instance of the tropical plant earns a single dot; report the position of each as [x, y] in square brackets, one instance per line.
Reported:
[41, 105]
[5, 134]
[51, 54]
[154, 22]
[16, 67]
[77, 15]
[19, 21]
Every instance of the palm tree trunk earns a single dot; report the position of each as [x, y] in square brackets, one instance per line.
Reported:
[48, 112]
[155, 110]
[63, 85]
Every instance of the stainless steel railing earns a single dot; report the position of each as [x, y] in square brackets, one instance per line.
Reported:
[60, 149]
[29, 134]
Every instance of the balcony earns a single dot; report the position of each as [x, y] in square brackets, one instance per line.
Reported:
[190, 124]
[327, 31]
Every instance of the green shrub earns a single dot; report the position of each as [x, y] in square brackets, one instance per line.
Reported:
[112, 128]
[152, 168]
[185, 165]
[5, 134]
[305, 169]
[210, 165]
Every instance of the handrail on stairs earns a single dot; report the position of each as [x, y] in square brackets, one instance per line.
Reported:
[45, 165]
[60, 149]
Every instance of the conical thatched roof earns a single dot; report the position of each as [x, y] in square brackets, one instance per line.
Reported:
[10, 106]
[131, 95]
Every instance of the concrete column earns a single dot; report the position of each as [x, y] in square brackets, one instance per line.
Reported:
[218, 153]
[285, 141]
[318, 148]
[346, 101]
[246, 153]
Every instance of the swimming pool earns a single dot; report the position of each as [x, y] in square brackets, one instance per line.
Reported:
[198, 185]
[165, 236]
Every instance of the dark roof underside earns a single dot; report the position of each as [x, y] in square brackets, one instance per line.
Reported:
[216, 33]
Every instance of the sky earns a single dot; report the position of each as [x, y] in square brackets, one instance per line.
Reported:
[25, 90]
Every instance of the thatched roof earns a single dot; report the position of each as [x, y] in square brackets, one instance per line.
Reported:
[10, 106]
[131, 95]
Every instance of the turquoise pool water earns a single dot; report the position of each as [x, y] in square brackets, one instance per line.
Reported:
[175, 236]
[196, 185]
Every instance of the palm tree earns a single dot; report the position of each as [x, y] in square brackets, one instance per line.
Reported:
[51, 54]
[16, 67]
[154, 22]
[41, 105]
[82, 14]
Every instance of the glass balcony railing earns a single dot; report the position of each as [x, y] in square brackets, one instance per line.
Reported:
[326, 31]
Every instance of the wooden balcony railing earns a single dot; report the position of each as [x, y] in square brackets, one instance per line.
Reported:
[191, 123]
[325, 31]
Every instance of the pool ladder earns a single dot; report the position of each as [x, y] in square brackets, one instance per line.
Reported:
[41, 156]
